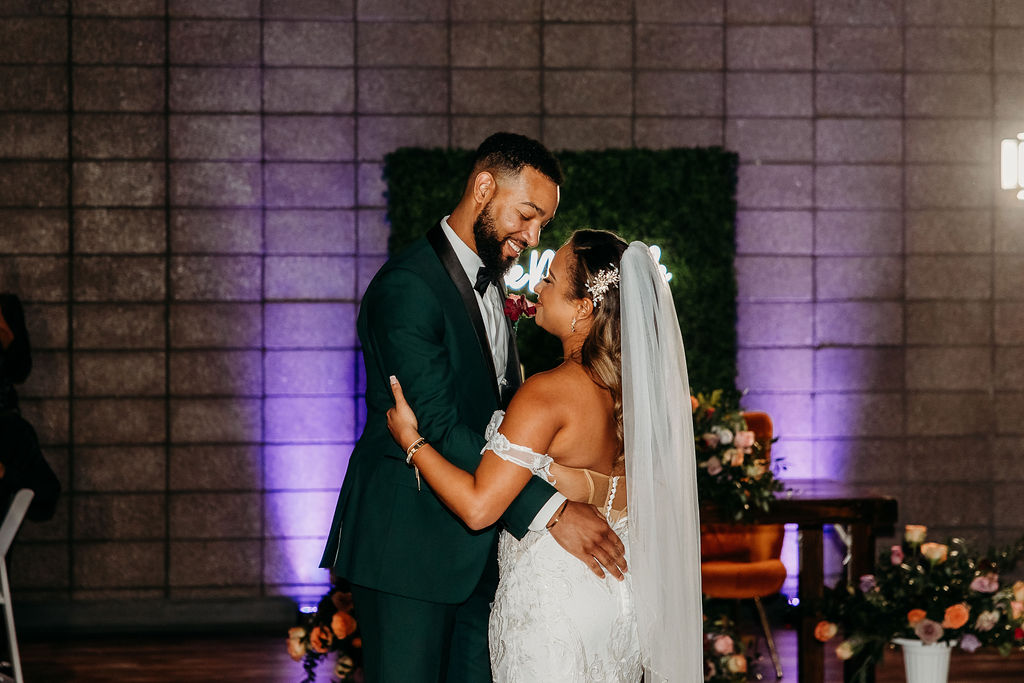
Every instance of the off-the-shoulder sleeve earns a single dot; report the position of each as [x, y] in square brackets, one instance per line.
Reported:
[497, 442]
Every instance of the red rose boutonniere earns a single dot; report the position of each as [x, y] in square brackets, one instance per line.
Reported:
[518, 306]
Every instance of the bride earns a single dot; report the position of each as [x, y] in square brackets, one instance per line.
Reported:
[611, 423]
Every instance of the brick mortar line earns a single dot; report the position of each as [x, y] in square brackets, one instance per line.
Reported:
[168, 294]
[70, 111]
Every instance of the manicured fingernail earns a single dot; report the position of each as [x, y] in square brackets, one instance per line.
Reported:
[394, 380]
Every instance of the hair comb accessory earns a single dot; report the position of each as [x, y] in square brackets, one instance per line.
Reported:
[599, 283]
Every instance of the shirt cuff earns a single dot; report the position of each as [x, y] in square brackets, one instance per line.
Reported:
[544, 516]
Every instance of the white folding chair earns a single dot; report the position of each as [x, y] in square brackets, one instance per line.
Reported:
[9, 529]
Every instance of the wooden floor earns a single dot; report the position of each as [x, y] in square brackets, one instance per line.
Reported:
[262, 658]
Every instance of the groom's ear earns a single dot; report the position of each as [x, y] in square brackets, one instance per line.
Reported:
[484, 187]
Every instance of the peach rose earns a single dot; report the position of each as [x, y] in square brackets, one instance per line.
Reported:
[736, 664]
[296, 648]
[915, 533]
[694, 404]
[915, 615]
[714, 465]
[1016, 609]
[320, 638]
[955, 616]
[1018, 591]
[845, 650]
[825, 631]
[744, 440]
[732, 457]
[987, 620]
[710, 440]
[934, 552]
[343, 624]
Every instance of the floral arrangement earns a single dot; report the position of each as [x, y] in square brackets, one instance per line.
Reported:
[725, 660]
[518, 306]
[331, 628]
[733, 471]
[934, 592]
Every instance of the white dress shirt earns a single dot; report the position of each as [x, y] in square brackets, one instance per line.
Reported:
[492, 310]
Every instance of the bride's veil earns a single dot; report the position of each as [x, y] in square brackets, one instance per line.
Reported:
[661, 478]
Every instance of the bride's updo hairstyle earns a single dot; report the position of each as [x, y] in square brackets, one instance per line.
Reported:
[601, 354]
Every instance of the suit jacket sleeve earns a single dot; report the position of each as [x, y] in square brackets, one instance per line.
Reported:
[405, 338]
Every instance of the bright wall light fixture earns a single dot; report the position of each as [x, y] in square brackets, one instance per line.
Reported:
[1012, 175]
[519, 277]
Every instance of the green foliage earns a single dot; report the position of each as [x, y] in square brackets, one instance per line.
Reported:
[680, 199]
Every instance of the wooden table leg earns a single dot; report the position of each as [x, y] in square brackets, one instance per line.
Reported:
[862, 551]
[810, 652]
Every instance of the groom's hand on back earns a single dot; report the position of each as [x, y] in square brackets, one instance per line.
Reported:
[584, 533]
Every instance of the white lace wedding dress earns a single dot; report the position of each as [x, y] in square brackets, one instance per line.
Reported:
[552, 618]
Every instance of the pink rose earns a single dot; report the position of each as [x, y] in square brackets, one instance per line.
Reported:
[714, 465]
[744, 440]
[1017, 609]
[928, 631]
[723, 645]
[896, 555]
[710, 440]
[986, 583]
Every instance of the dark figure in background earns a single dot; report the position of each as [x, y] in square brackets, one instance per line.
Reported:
[21, 461]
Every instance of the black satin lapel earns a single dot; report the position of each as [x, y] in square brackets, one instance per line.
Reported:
[458, 276]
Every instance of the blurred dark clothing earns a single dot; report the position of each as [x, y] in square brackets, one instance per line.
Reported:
[20, 454]
[25, 468]
[15, 350]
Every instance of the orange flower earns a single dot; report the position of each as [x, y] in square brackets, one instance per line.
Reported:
[694, 404]
[956, 616]
[343, 624]
[736, 664]
[915, 615]
[357, 642]
[825, 631]
[320, 638]
[935, 552]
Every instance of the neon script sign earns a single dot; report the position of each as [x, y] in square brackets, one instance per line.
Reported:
[519, 277]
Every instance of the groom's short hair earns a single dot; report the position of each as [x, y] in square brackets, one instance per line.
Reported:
[508, 153]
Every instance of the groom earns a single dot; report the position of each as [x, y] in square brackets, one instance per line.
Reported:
[433, 316]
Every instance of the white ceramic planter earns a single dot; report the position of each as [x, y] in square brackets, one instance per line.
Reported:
[925, 663]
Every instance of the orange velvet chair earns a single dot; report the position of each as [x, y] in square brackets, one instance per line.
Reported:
[741, 561]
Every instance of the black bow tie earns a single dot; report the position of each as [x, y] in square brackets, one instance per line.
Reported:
[483, 279]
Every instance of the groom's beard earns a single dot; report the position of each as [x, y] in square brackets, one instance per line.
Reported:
[489, 247]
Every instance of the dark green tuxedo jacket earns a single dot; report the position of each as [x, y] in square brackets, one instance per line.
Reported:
[419, 320]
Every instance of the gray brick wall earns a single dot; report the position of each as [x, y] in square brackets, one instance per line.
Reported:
[191, 204]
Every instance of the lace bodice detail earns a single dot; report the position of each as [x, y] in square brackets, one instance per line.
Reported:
[537, 463]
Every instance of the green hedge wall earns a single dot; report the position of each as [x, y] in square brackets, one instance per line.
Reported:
[681, 199]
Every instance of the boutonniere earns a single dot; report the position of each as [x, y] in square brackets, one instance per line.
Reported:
[518, 306]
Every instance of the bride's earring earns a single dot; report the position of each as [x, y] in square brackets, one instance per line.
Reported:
[572, 326]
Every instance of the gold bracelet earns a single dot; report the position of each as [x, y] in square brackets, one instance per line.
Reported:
[558, 514]
[411, 450]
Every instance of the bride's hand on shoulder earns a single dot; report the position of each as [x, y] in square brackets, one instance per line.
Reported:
[402, 422]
